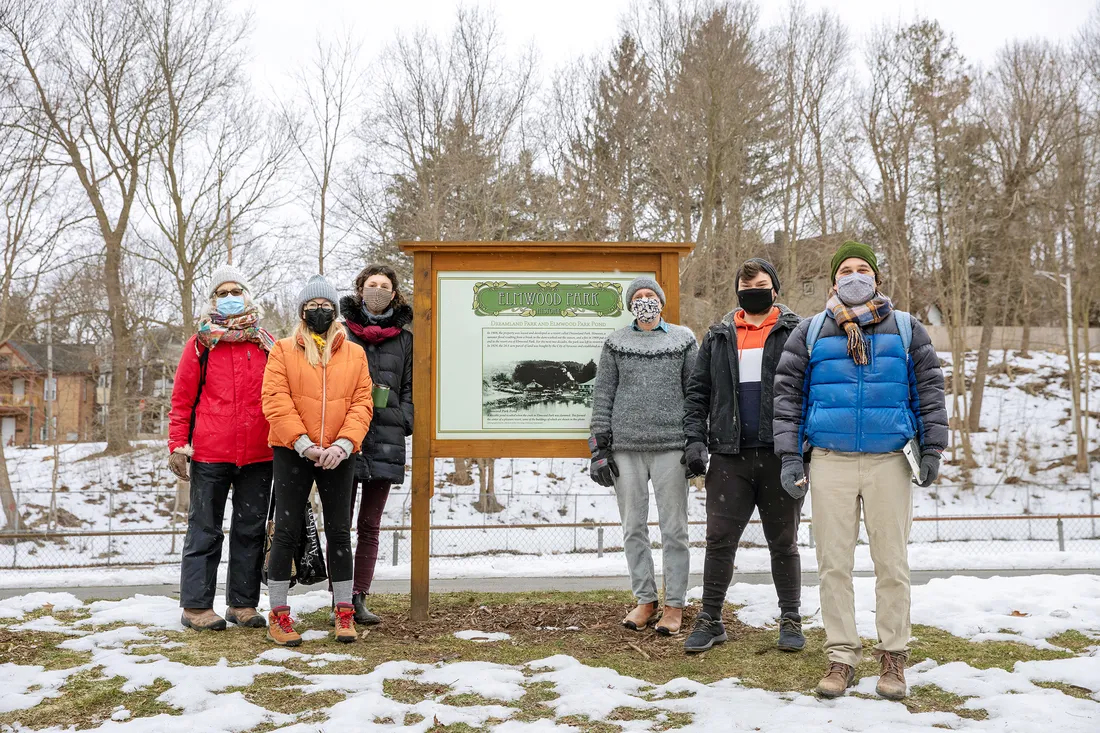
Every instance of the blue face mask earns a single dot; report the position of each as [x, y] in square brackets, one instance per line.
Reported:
[231, 305]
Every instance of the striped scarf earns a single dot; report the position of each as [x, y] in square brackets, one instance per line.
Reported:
[853, 318]
[244, 327]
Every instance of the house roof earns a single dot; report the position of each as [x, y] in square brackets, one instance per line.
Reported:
[67, 358]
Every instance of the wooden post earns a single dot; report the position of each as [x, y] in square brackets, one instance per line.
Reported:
[423, 463]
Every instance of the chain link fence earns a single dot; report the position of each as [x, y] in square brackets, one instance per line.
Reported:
[557, 533]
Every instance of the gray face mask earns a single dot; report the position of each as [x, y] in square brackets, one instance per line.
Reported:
[856, 289]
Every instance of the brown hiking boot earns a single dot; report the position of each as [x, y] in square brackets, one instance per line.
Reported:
[671, 621]
[837, 679]
[202, 619]
[345, 623]
[245, 617]
[891, 683]
[642, 617]
[280, 627]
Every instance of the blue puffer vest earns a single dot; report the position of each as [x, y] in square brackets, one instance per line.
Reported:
[860, 409]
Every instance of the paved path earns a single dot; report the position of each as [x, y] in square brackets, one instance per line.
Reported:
[507, 585]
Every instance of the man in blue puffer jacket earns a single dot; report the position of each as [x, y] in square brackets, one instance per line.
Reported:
[855, 384]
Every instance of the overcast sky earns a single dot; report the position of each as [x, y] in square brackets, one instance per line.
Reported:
[564, 29]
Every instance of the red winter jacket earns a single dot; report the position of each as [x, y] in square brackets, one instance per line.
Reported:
[230, 426]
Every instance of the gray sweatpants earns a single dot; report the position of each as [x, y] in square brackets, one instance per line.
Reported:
[670, 488]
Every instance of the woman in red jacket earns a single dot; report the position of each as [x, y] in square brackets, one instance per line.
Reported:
[217, 437]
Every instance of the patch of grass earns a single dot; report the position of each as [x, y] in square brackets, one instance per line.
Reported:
[586, 724]
[681, 695]
[282, 693]
[673, 720]
[87, 699]
[532, 706]
[469, 700]
[1082, 693]
[933, 643]
[39, 648]
[411, 692]
[931, 698]
[413, 719]
[662, 719]
[1073, 640]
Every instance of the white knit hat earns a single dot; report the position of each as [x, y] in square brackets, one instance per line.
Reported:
[319, 287]
[228, 274]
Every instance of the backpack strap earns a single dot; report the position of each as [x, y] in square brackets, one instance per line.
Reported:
[904, 322]
[816, 324]
[204, 357]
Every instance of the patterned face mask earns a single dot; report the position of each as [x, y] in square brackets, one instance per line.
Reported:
[856, 289]
[646, 310]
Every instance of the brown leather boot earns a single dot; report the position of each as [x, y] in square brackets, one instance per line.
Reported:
[280, 627]
[247, 617]
[345, 623]
[671, 621]
[642, 617]
[837, 679]
[202, 619]
[891, 683]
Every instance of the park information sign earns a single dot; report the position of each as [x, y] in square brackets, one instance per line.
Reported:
[507, 338]
[520, 351]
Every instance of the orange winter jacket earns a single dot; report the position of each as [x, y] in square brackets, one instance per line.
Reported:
[325, 402]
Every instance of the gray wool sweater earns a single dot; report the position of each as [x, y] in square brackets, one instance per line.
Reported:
[640, 384]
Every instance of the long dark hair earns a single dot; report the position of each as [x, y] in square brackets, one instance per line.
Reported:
[361, 278]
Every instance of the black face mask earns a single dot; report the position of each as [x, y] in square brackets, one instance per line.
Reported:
[756, 300]
[319, 320]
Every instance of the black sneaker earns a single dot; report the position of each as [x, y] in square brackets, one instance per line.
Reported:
[363, 614]
[706, 633]
[790, 633]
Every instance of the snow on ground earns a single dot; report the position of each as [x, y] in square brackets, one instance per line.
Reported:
[1021, 453]
[1028, 609]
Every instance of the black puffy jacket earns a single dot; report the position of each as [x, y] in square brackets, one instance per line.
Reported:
[390, 363]
[712, 414]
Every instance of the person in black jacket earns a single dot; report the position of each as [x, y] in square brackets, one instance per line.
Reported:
[728, 413]
[377, 317]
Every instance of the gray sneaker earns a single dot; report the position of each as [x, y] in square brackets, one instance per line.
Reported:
[790, 633]
[706, 633]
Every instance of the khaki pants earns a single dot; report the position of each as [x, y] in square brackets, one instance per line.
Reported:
[839, 484]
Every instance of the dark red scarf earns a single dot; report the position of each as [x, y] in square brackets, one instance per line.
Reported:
[373, 334]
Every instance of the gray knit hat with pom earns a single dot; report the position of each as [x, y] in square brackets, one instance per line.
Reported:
[644, 282]
[228, 274]
[319, 287]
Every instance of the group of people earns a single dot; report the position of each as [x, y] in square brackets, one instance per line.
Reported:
[330, 405]
[852, 387]
[847, 405]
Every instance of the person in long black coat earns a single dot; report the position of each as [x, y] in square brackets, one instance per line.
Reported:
[377, 317]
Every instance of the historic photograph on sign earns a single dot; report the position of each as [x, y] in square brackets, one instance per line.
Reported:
[522, 351]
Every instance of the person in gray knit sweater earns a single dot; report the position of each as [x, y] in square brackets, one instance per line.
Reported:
[637, 436]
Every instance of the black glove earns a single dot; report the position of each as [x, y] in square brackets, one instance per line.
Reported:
[929, 467]
[793, 476]
[696, 457]
[603, 469]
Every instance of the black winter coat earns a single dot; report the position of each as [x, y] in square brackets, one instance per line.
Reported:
[712, 414]
[391, 364]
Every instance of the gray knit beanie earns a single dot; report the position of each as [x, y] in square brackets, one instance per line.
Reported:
[228, 274]
[319, 287]
[644, 282]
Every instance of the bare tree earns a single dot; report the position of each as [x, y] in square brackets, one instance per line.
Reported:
[90, 93]
[321, 126]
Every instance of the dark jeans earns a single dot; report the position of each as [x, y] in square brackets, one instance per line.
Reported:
[202, 548]
[294, 479]
[371, 506]
[735, 485]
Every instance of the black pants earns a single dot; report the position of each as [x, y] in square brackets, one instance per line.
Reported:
[202, 548]
[736, 484]
[294, 478]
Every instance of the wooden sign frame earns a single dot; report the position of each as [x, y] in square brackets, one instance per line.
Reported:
[431, 258]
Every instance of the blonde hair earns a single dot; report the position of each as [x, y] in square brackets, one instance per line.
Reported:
[304, 338]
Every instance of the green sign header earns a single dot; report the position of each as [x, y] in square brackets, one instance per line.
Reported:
[601, 300]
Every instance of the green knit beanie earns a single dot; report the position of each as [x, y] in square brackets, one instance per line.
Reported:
[853, 249]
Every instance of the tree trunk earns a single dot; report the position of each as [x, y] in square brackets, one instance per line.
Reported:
[977, 388]
[487, 496]
[7, 496]
[117, 435]
[462, 472]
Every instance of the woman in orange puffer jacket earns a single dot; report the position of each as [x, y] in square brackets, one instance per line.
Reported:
[317, 398]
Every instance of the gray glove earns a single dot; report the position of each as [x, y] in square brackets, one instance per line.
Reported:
[793, 476]
[929, 467]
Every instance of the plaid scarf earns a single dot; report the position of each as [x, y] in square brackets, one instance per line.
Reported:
[216, 328]
[853, 318]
